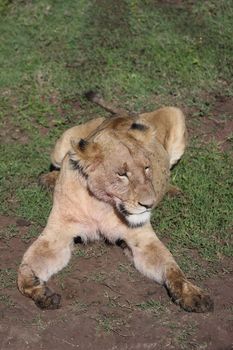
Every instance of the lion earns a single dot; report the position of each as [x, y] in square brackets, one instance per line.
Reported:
[109, 175]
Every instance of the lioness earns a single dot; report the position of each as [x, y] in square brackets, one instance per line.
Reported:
[113, 172]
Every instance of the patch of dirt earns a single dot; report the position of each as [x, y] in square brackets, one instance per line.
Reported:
[106, 305]
[220, 131]
[9, 133]
[171, 2]
[215, 125]
[223, 106]
[178, 4]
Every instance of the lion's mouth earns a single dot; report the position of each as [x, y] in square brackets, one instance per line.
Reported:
[122, 209]
[126, 212]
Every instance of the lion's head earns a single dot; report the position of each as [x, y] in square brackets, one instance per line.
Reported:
[118, 167]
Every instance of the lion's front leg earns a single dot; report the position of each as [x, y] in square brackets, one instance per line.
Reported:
[154, 260]
[45, 257]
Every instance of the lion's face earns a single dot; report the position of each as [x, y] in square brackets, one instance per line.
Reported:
[124, 180]
[118, 170]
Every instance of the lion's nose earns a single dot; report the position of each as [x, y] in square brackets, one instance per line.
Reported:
[147, 205]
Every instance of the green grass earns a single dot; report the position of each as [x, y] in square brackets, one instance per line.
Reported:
[184, 337]
[154, 306]
[6, 300]
[140, 53]
[7, 278]
[9, 232]
[79, 307]
[131, 49]
[31, 234]
[202, 218]
[109, 324]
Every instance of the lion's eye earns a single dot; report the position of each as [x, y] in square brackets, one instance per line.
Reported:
[122, 175]
[147, 171]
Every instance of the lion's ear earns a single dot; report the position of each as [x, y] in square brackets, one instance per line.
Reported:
[141, 132]
[170, 130]
[89, 153]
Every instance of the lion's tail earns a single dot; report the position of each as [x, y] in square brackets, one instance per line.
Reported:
[108, 106]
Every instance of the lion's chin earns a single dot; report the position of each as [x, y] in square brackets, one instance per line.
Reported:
[133, 219]
[137, 220]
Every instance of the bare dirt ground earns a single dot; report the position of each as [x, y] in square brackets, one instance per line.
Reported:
[106, 303]
[217, 126]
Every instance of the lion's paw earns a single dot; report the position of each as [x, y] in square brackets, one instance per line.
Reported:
[49, 301]
[194, 299]
[48, 180]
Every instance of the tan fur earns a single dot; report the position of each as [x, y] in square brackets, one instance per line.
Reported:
[169, 124]
[107, 186]
[63, 144]
[48, 181]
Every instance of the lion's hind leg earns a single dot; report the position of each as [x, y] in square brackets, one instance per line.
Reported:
[48, 180]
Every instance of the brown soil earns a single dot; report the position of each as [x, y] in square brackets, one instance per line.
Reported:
[12, 134]
[103, 296]
[216, 125]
